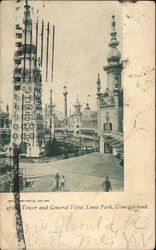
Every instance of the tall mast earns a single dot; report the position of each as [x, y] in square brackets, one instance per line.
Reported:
[50, 114]
[42, 35]
[36, 40]
[47, 51]
[25, 37]
[52, 67]
[30, 52]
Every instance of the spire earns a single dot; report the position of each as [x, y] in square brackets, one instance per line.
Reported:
[113, 43]
[98, 84]
[77, 103]
[114, 54]
[7, 109]
[27, 13]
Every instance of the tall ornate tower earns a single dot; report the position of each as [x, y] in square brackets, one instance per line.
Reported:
[77, 116]
[114, 67]
[27, 125]
[110, 102]
[98, 94]
[65, 93]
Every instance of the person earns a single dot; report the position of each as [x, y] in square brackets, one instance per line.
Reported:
[106, 185]
[63, 181]
[57, 178]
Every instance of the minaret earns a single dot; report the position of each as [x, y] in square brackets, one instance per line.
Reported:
[65, 93]
[77, 107]
[77, 116]
[98, 104]
[114, 67]
[77, 111]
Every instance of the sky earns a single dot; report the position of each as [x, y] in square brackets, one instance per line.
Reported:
[82, 34]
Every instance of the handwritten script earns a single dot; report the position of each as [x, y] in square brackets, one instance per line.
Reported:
[130, 232]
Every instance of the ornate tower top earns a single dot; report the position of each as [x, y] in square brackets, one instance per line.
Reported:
[77, 103]
[77, 106]
[98, 84]
[113, 54]
[27, 18]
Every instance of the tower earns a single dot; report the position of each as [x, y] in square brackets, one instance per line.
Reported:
[109, 103]
[27, 125]
[77, 116]
[98, 94]
[111, 99]
[114, 67]
[65, 93]
[52, 117]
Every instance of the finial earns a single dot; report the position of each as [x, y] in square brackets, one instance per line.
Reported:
[98, 77]
[65, 90]
[113, 23]
[98, 83]
[113, 18]
[7, 109]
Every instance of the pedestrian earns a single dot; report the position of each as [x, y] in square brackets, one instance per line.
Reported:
[63, 181]
[106, 185]
[57, 178]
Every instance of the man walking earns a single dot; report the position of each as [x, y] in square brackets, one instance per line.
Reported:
[106, 185]
[57, 178]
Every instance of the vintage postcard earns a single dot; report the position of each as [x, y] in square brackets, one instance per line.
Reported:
[77, 125]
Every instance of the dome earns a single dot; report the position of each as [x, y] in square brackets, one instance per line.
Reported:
[113, 55]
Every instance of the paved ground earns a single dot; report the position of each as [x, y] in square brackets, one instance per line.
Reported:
[84, 173]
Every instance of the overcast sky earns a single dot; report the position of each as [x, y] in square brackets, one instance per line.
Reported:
[81, 46]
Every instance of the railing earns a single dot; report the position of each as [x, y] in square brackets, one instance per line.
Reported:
[115, 134]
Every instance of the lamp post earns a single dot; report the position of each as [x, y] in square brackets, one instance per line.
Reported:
[10, 155]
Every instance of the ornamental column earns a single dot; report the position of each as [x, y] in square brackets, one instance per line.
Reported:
[65, 93]
[98, 104]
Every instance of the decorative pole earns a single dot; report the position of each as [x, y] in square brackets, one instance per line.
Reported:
[47, 51]
[98, 104]
[52, 67]
[65, 93]
[30, 52]
[42, 35]
[50, 114]
[36, 40]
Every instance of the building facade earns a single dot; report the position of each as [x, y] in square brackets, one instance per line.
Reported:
[110, 103]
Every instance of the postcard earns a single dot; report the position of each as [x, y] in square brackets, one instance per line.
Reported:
[77, 125]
